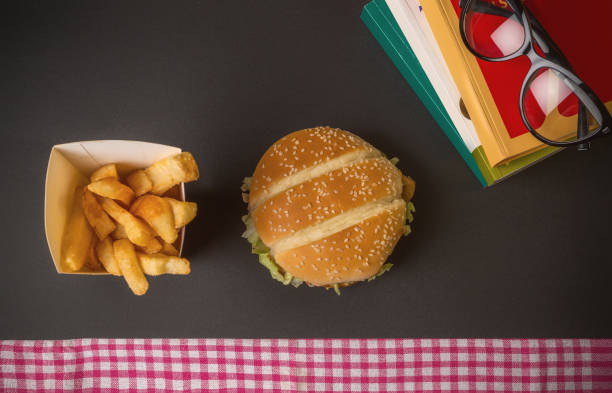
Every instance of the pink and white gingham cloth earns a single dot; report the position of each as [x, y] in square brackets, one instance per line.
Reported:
[296, 365]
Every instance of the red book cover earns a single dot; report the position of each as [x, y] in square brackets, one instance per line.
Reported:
[583, 32]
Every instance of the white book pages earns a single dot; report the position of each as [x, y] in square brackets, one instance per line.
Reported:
[414, 26]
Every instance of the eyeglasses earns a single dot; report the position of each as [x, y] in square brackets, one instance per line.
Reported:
[551, 93]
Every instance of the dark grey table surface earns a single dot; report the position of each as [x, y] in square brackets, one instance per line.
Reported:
[528, 257]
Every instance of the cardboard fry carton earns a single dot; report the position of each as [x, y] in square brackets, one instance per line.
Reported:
[71, 164]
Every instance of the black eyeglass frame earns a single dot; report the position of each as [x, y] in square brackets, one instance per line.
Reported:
[553, 60]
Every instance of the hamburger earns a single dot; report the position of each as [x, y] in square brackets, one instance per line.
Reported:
[326, 208]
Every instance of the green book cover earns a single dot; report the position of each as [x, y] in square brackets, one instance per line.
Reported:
[379, 19]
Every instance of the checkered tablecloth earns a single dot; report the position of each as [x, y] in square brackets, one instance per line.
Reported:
[296, 365]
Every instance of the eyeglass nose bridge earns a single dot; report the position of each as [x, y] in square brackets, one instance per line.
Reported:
[533, 56]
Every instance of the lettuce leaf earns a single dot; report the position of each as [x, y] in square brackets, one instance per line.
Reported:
[258, 247]
[409, 218]
[246, 184]
[409, 210]
[385, 268]
[245, 188]
[266, 260]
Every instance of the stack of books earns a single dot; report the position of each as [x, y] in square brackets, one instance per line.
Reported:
[475, 102]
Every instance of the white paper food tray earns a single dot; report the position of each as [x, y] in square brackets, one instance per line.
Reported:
[71, 164]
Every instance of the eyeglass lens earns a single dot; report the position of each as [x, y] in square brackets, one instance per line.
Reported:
[493, 29]
[551, 107]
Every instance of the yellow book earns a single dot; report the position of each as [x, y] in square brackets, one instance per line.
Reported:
[499, 146]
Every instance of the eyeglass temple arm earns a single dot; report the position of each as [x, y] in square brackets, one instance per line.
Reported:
[583, 127]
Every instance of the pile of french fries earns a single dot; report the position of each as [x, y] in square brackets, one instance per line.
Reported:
[131, 229]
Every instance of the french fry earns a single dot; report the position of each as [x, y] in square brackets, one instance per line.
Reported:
[92, 262]
[96, 216]
[106, 255]
[111, 188]
[139, 182]
[158, 264]
[119, 232]
[109, 170]
[153, 247]
[183, 212]
[156, 211]
[169, 249]
[77, 235]
[138, 232]
[164, 174]
[130, 267]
